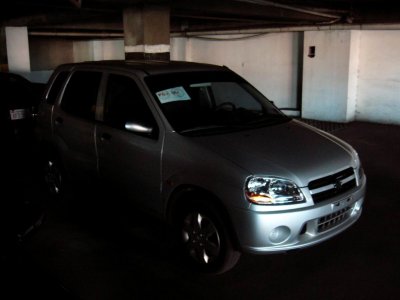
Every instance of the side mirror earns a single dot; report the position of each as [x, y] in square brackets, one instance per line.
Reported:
[138, 128]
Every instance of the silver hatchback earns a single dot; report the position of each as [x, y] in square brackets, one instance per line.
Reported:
[200, 147]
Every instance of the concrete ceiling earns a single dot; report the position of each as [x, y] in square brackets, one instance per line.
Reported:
[196, 15]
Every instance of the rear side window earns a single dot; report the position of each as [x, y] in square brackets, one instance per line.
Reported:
[80, 95]
[56, 87]
[125, 103]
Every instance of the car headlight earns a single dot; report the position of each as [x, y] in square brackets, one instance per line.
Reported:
[272, 191]
[356, 158]
[358, 168]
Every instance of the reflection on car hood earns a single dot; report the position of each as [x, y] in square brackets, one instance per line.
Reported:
[292, 150]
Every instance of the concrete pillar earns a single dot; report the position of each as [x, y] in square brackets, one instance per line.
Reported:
[147, 32]
[17, 49]
[97, 50]
[330, 75]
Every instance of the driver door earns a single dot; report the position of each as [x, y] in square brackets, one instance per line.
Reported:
[130, 161]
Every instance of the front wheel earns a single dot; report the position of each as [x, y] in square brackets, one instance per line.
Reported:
[205, 239]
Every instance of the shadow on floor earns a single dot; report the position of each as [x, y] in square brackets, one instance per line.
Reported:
[83, 250]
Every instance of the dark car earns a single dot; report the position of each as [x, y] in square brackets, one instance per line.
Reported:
[19, 101]
[20, 212]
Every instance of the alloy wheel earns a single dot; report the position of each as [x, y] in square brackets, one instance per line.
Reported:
[201, 238]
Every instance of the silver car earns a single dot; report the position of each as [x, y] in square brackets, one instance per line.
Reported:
[200, 147]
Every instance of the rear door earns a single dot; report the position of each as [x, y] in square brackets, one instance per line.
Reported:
[74, 123]
[130, 161]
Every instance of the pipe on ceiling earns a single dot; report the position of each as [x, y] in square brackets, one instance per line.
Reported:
[293, 8]
[377, 26]
[78, 34]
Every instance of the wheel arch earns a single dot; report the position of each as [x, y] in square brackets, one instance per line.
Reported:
[187, 194]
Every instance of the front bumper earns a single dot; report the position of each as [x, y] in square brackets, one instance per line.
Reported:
[279, 231]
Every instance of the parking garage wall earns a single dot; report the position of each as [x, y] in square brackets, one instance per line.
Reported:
[270, 61]
[378, 92]
[274, 64]
[330, 78]
[359, 70]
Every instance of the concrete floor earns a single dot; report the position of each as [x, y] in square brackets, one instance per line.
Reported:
[87, 248]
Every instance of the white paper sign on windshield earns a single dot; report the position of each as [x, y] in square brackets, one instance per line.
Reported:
[173, 94]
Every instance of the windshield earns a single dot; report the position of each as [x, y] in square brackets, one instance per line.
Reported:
[211, 102]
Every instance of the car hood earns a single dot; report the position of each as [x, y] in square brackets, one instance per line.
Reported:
[292, 150]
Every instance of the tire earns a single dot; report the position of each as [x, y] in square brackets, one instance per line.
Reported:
[53, 177]
[205, 240]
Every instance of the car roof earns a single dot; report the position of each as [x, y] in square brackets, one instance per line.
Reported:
[149, 67]
[12, 77]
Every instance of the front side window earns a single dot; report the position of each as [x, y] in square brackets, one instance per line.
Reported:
[125, 103]
[211, 102]
[80, 95]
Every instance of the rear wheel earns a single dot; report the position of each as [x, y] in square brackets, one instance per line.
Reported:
[205, 239]
[53, 176]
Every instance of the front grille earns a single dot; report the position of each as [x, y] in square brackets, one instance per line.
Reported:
[332, 185]
[327, 222]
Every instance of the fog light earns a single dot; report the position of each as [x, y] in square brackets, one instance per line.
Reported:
[279, 234]
[357, 207]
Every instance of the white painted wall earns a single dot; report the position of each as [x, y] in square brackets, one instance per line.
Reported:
[18, 55]
[98, 50]
[82, 51]
[269, 62]
[18, 49]
[326, 76]
[355, 75]
[354, 61]
[378, 98]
